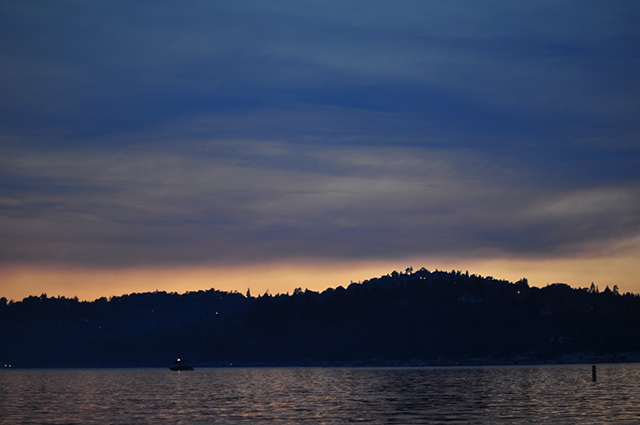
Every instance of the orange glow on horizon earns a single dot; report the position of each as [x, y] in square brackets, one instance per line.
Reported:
[18, 282]
[89, 284]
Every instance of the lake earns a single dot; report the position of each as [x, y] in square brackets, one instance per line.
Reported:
[456, 395]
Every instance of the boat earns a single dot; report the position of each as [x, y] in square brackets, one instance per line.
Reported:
[181, 365]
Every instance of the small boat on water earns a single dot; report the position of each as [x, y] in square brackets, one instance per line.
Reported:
[181, 365]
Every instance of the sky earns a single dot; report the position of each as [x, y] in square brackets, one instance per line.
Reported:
[179, 146]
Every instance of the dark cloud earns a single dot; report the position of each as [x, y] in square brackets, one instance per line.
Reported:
[159, 132]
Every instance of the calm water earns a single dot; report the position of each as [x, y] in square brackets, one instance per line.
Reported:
[482, 395]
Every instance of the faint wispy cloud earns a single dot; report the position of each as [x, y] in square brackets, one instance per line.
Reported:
[191, 205]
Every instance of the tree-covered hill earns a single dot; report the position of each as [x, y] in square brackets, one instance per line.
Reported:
[410, 317]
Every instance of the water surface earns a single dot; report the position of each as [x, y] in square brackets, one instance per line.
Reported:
[461, 395]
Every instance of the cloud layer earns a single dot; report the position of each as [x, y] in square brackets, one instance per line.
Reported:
[226, 133]
[233, 202]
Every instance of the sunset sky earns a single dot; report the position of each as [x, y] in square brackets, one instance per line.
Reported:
[272, 145]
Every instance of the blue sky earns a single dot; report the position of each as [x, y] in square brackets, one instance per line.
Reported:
[202, 135]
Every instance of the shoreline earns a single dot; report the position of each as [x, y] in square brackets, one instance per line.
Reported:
[567, 359]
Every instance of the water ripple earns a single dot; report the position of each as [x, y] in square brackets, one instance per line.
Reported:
[483, 395]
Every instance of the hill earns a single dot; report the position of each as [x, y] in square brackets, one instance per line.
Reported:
[419, 317]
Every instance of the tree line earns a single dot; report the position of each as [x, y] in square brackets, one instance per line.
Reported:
[403, 317]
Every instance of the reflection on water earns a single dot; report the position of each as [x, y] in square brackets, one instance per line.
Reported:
[482, 395]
